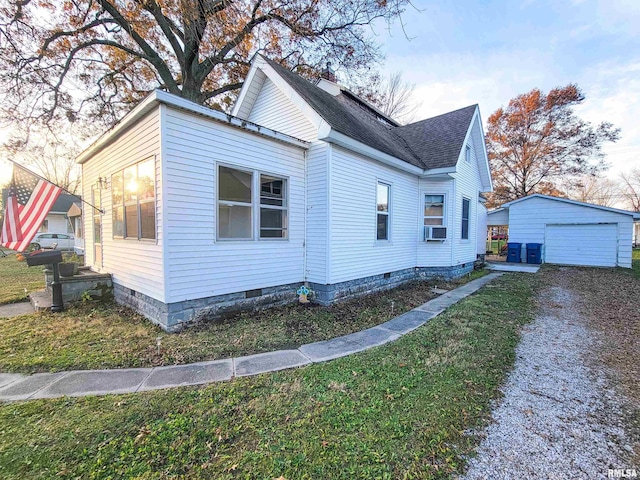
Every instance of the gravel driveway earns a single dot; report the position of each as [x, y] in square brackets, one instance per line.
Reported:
[559, 418]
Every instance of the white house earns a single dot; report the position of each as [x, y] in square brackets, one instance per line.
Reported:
[206, 212]
[571, 232]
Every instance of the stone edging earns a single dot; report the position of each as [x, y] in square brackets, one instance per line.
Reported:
[79, 383]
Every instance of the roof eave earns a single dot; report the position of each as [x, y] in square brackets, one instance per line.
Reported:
[158, 97]
[332, 136]
[573, 202]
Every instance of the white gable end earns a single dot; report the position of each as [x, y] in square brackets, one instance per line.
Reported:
[273, 109]
[475, 139]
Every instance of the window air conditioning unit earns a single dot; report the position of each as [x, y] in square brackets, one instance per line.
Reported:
[435, 233]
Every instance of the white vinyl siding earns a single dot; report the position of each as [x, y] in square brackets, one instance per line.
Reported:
[318, 231]
[468, 185]
[197, 265]
[274, 110]
[354, 251]
[132, 263]
[529, 218]
[498, 217]
[435, 254]
[55, 223]
[481, 239]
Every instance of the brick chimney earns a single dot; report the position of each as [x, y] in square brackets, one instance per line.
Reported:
[328, 73]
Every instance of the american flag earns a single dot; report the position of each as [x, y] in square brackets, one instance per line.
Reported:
[28, 203]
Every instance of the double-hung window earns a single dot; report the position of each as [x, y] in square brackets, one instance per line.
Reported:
[273, 207]
[466, 208]
[433, 210]
[382, 209]
[133, 198]
[237, 204]
[467, 154]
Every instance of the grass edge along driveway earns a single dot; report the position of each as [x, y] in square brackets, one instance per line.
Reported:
[397, 411]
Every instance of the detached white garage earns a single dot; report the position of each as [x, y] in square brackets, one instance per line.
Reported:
[571, 232]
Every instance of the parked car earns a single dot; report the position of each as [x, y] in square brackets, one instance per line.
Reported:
[64, 241]
[499, 236]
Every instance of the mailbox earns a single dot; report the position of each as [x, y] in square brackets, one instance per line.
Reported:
[42, 257]
[50, 257]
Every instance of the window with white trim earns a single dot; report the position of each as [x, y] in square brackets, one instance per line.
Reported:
[273, 207]
[236, 205]
[467, 154]
[466, 209]
[133, 201]
[433, 210]
[382, 211]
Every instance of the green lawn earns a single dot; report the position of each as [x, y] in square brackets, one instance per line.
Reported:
[91, 336]
[15, 276]
[397, 411]
[636, 262]
[495, 245]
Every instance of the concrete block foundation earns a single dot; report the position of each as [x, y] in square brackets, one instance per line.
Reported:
[173, 317]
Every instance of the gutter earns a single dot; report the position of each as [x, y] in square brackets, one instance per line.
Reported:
[332, 136]
[158, 97]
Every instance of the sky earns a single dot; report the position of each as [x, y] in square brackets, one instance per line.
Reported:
[463, 52]
[487, 52]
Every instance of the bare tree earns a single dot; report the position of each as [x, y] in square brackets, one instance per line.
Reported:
[50, 155]
[96, 58]
[593, 189]
[392, 95]
[631, 189]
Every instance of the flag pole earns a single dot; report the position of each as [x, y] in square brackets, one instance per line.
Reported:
[63, 189]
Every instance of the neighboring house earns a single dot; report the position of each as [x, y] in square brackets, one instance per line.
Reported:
[207, 212]
[75, 220]
[636, 234]
[572, 232]
[57, 220]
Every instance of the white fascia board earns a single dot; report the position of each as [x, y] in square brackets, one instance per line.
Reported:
[573, 202]
[486, 187]
[159, 97]
[499, 209]
[442, 171]
[332, 136]
[245, 87]
[484, 151]
[288, 91]
[144, 107]
[181, 103]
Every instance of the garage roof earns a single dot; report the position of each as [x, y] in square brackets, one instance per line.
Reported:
[635, 215]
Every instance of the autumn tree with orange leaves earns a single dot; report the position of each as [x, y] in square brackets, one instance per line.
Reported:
[61, 60]
[538, 142]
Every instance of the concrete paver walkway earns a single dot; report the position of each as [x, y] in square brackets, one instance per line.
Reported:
[80, 383]
[14, 309]
[513, 267]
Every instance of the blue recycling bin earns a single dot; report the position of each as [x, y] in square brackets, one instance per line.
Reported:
[534, 253]
[513, 252]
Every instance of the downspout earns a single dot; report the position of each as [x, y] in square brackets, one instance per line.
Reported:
[306, 213]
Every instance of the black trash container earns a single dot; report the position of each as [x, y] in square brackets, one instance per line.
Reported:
[534, 253]
[513, 252]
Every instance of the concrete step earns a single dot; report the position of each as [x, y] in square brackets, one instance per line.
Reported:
[40, 300]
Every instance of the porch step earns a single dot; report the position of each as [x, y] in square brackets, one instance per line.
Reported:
[40, 300]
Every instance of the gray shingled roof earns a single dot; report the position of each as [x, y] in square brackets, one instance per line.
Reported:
[63, 203]
[438, 140]
[431, 143]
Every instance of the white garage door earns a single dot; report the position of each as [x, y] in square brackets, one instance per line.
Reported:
[594, 245]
